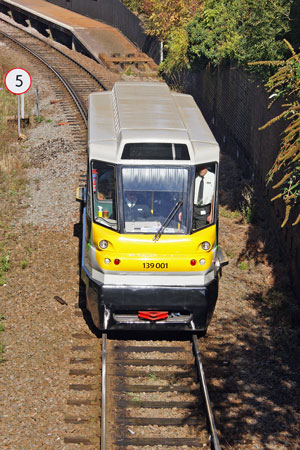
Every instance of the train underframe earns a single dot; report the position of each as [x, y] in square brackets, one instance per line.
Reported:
[119, 307]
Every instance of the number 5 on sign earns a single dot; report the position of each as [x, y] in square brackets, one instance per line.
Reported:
[18, 81]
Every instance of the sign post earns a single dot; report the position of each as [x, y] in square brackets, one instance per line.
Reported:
[18, 81]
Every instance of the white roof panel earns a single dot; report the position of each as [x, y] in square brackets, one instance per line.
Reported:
[193, 119]
[101, 118]
[147, 112]
[146, 106]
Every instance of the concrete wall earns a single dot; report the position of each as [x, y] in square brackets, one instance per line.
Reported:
[114, 13]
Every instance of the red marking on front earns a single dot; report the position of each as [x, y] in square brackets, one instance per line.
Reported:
[153, 315]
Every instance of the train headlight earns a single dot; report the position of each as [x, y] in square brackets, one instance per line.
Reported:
[205, 245]
[202, 262]
[106, 260]
[103, 244]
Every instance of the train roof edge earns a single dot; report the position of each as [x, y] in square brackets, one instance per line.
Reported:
[147, 112]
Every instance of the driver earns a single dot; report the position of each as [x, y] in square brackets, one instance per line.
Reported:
[133, 210]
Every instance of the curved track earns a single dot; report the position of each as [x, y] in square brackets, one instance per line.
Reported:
[153, 392]
[75, 78]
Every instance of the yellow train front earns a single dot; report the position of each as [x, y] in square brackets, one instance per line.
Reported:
[150, 255]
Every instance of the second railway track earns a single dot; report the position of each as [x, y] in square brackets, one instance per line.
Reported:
[75, 78]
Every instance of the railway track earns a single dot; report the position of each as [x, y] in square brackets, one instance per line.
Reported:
[157, 394]
[75, 84]
[153, 393]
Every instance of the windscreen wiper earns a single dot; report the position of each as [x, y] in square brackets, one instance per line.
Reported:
[168, 220]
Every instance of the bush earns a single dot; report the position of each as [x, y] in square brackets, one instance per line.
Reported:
[238, 30]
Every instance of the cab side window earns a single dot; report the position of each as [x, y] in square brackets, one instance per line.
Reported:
[204, 196]
[104, 193]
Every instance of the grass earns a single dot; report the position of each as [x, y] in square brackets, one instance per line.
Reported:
[244, 266]
[2, 328]
[247, 206]
[224, 212]
[24, 264]
[13, 178]
[230, 253]
[42, 119]
[4, 267]
[152, 376]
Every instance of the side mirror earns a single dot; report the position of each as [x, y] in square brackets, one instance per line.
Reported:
[80, 194]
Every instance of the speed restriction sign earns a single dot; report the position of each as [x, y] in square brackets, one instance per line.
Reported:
[17, 81]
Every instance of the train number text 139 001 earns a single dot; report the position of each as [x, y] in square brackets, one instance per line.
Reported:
[158, 265]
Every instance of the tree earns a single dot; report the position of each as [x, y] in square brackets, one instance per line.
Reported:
[285, 83]
[240, 30]
[164, 16]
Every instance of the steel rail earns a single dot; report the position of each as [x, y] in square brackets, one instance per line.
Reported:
[77, 101]
[16, 25]
[213, 430]
[103, 393]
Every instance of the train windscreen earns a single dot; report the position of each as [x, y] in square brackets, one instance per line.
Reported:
[150, 194]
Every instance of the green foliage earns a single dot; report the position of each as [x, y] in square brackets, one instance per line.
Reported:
[164, 16]
[135, 6]
[247, 205]
[176, 46]
[2, 328]
[23, 264]
[244, 266]
[166, 19]
[286, 83]
[2, 317]
[4, 267]
[238, 30]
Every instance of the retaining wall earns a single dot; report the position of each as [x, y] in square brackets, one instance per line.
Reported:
[235, 106]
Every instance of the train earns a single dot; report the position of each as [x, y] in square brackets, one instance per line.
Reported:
[150, 253]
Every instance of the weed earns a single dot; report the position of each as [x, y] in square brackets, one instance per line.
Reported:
[275, 298]
[23, 264]
[152, 376]
[29, 250]
[2, 328]
[230, 253]
[224, 212]
[244, 265]
[247, 206]
[4, 267]
[135, 397]
[4, 263]
[129, 71]
[48, 121]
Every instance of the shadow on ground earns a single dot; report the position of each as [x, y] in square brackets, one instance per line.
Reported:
[251, 352]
